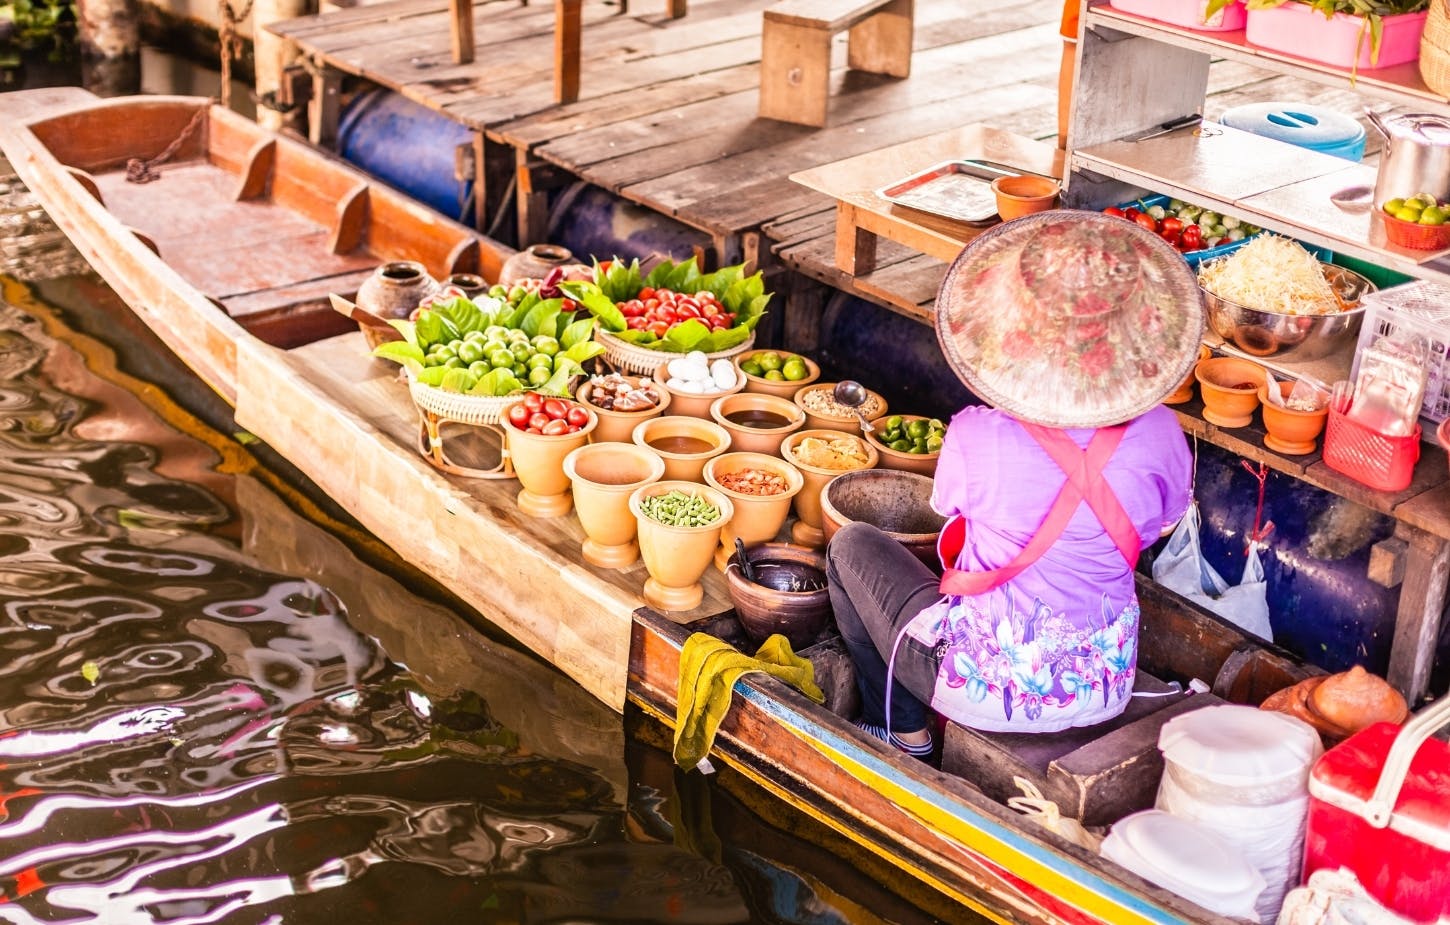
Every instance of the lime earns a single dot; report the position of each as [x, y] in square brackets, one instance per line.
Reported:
[475, 336]
[1434, 215]
[1394, 205]
[917, 429]
[540, 361]
[795, 369]
[521, 350]
[496, 332]
[774, 375]
[933, 444]
[520, 371]
[500, 358]
[769, 360]
[1408, 214]
[479, 369]
[445, 353]
[1425, 200]
[901, 446]
[751, 368]
[539, 375]
[893, 423]
[453, 363]
[545, 344]
[515, 336]
[497, 291]
[470, 352]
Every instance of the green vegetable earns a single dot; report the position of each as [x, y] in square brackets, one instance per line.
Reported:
[676, 508]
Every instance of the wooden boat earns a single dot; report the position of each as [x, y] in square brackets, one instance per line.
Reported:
[346, 421]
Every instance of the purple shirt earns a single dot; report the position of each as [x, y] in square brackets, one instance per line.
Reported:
[1057, 645]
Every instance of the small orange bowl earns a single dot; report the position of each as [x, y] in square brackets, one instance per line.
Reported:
[1024, 195]
[1414, 235]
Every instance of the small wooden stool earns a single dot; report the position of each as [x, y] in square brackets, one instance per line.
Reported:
[795, 51]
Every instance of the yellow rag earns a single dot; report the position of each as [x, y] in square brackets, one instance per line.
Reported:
[709, 668]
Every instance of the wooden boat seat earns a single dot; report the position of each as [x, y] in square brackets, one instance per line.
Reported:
[1096, 774]
[795, 51]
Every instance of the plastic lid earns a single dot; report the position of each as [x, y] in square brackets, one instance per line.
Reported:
[1240, 745]
[1186, 858]
[1296, 123]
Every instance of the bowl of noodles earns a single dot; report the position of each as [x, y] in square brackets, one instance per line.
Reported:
[1273, 298]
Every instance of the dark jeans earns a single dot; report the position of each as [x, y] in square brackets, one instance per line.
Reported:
[876, 587]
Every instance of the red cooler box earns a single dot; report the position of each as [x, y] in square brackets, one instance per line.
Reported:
[1380, 806]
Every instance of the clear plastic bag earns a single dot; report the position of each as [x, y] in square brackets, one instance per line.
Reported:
[1181, 567]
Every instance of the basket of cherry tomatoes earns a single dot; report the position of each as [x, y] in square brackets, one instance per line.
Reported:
[674, 309]
[1199, 234]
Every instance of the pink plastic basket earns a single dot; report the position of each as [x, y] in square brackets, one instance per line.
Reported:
[1298, 29]
[1185, 13]
[1368, 456]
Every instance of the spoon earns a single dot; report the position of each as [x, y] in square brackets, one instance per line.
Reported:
[746, 568]
[852, 394]
[1353, 198]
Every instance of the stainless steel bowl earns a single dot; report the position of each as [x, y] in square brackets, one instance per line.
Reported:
[1300, 337]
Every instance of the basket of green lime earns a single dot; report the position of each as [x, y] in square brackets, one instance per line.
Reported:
[909, 441]
[776, 372]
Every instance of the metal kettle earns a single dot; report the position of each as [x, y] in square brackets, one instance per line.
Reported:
[1416, 158]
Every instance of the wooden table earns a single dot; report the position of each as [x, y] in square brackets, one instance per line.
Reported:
[862, 215]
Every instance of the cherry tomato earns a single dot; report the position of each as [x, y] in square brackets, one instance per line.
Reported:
[637, 323]
[1192, 237]
[1114, 210]
[568, 305]
[1131, 214]
[1172, 237]
[658, 328]
[537, 420]
[555, 428]
[555, 409]
[534, 402]
[577, 417]
[648, 292]
[688, 310]
[519, 415]
[1147, 221]
[1172, 223]
[710, 309]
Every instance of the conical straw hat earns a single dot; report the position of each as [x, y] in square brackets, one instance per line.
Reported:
[1070, 319]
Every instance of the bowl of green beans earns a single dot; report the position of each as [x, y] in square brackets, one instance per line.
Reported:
[679, 527]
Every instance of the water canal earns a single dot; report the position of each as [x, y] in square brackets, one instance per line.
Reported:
[215, 709]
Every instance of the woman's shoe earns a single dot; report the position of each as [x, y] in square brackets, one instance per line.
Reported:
[916, 751]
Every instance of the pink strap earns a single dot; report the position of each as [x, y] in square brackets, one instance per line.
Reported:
[1084, 482]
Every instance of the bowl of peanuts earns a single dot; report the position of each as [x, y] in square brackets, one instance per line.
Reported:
[823, 412]
[761, 488]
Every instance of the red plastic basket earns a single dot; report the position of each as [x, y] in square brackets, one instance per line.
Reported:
[1368, 456]
[1416, 236]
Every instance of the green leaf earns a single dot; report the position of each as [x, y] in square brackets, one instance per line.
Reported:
[621, 281]
[558, 383]
[721, 280]
[541, 317]
[685, 335]
[641, 338]
[400, 351]
[456, 380]
[598, 303]
[405, 328]
[580, 352]
[576, 332]
[430, 328]
[494, 383]
[730, 337]
[432, 375]
[464, 315]
[521, 311]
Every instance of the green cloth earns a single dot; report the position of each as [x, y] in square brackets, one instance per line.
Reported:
[709, 668]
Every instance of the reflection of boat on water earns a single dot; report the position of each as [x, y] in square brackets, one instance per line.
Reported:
[345, 421]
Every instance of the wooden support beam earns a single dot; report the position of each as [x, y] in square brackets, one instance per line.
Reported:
[881, 43]
[1422, 606]
[257, 172]
[87, 182]
[460, 28]
[855, 246]
[324, 108]
[567, 37]
[533, 179]
[351, 221]
[1387, 562]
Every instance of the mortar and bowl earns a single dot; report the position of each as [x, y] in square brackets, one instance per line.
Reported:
[785, 592]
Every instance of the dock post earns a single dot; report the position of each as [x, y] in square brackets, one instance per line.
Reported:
[273, 54]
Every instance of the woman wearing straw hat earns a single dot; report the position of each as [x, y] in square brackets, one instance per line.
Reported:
[1072, 326]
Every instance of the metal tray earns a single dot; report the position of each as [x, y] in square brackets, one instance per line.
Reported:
[959, 190]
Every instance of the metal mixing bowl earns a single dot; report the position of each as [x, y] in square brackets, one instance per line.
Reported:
[1300, 337]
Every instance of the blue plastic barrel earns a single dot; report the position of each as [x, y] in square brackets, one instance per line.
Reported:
[406, 145]
[1304, 125]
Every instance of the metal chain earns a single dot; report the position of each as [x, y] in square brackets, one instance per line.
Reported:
[139, 171]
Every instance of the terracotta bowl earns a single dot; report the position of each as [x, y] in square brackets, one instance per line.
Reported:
[682, 464]
[749, 438]
[785, 388]
[925, 463]
[1291, 432]
[1024, 195]
[899, 503]
[1184, 392]
[807, 529]
[767, 606]
[618, 426]
[692, 404]
[676, 557]
[1230, 388]
[758, 518]
[538, 462]
[603, 476]
[846, 423]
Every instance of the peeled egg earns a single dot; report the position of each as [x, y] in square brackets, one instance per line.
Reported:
[698, 357]
[679, 368]
[723, 372]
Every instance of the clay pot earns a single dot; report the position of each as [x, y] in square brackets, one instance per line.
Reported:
[1024, 195]
[1291, 432]
[763, 609]
[618, 426]
[471, 285]
[846, 423]
[807, 529]
[603, 476]
[681, 466]
[1184, 392]
[758, 518]
[393, 291]
[1230, 388]
[538, 462]
[784, 388]
[533, 262]
[693, 404]
[749, 439]
[925, 463]
[676, 557]
[899, 503]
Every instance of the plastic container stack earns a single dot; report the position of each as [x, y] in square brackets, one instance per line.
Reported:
[1242, 774]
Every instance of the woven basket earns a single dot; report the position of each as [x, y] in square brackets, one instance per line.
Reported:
[477, 410]
[641, 361]
[1435, 48]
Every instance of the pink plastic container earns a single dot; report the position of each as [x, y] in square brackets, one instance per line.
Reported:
[1298, 29]
[1185, 13]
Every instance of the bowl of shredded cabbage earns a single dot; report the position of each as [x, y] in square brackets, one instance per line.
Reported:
[1273, 298]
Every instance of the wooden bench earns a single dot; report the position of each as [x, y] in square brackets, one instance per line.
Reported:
[795, 51]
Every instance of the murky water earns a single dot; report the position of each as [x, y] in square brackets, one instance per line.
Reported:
[212, 711]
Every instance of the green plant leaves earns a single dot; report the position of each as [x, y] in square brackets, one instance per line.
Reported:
[576, 332]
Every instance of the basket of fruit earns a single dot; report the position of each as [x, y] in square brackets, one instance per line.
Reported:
[1417, 222]
[675, 309]
[466, 362]
[1199, 234]
[776, 372]
[909, 441]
